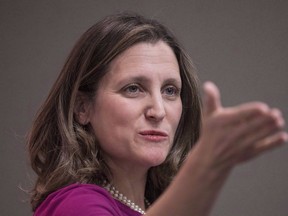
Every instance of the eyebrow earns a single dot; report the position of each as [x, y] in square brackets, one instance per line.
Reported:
[144, 79]
[173, 81]
[138, 79]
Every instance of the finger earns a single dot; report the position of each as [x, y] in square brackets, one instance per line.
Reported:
[270, 143]
[245, 112]
[211, 98]
[265, 145]
[260, 127]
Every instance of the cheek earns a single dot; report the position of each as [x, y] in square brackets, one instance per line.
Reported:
[121, 111]
[114, 114]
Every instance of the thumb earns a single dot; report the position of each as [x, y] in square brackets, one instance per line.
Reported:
[211, 98]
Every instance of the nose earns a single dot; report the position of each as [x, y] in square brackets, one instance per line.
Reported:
[155, 110]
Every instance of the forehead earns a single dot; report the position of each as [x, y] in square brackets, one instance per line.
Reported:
[146, 57]
[147, 50]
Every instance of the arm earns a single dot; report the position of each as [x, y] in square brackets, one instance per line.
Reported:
[229, 136]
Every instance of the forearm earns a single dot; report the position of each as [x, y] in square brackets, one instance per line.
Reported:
[193, 191]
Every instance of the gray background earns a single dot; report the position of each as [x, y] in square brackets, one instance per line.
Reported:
[240, 45]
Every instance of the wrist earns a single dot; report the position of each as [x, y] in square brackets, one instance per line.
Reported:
[203, 162]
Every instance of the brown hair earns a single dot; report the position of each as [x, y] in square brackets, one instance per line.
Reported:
[62, 151]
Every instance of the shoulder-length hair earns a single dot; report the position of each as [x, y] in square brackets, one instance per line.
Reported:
[62, 151]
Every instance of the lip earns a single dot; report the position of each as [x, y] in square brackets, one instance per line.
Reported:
[154, 135]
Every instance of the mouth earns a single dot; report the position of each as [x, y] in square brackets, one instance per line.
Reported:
[154, 135]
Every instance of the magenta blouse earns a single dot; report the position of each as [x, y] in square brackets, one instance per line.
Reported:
[82, 200]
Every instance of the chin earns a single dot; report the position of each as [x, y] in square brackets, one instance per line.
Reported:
[155, 159]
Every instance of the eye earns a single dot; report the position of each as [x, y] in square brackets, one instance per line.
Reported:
[132, 90]
[171, 91]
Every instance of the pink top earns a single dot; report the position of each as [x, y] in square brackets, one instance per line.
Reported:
[82, 200]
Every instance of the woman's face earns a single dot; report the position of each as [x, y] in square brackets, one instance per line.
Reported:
[137, 107]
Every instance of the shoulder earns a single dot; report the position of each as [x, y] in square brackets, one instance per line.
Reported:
[78, 199]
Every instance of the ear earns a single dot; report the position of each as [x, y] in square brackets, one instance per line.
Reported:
[82, 108]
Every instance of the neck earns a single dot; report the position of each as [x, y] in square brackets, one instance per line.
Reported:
[130, 181]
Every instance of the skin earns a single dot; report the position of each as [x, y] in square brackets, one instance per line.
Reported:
[135, 113]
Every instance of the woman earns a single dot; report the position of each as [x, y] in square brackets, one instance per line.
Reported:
[120, 122]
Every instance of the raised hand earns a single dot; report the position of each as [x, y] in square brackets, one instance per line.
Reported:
[235, 134]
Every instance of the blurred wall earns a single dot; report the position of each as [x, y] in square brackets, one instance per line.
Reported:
[240, 45]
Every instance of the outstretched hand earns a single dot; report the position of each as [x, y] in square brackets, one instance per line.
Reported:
[235, 134]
